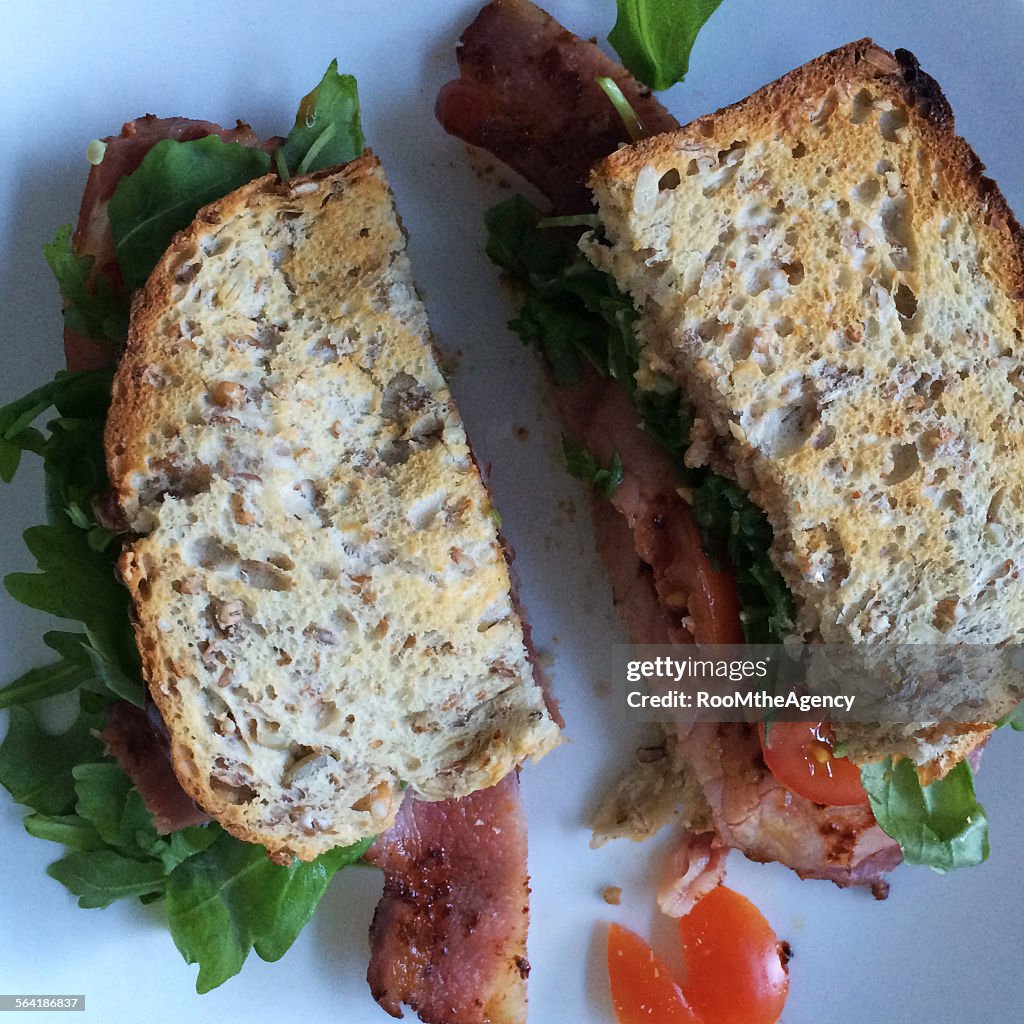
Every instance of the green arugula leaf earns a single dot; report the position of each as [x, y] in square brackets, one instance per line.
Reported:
[327, 129]
[45, 681]
[582, 465]
[230, 898]
[738, 533]
[15, 435]
[99, 877]
[571, 311]
[516, 243]
[174, 180]
[91, 307]
[941, 824]
[668, 420]
[180, 845]
[557, 332]
[77, 583]
[653, 38]
[36, 767]
[71, 830]
[116, 664]
[105, 798]
[1015, 719]
[83, 396]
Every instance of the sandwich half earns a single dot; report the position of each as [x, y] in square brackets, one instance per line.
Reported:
[833, 284]
[322, 603]
[787, 352]
[319, 646]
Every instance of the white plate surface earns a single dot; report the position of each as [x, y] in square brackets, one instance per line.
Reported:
[939, 950]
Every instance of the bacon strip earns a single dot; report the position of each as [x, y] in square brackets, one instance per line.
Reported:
[123, 155]
[756, 814]
[449, 935]
[527, 94]
[131, 740]
[695, 598]
[697, 866]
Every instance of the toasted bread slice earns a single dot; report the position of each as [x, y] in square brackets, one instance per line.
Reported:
[827, 273]
[323, 604]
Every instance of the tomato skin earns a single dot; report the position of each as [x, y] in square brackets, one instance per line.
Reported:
[643, 991]
[799, 755]
[734, 970]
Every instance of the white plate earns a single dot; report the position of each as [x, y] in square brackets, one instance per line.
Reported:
[940, 949]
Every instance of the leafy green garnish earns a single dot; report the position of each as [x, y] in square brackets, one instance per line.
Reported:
[571, 311]
[327, 129]
[223, 895]
[100, 877]
[582, 465]
[941, 824]
[653, 38]
[77, 579]
[92, 308]
[231, 898]
[76, 448]
[46, 681]
[36, 768]
[174, 180]
[734, 527]
[623, 108]
[1015, 719]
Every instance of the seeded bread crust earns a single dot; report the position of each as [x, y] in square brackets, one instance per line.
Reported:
[828, 274]
[322, 604]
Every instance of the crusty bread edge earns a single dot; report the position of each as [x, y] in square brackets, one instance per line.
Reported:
[901, 70]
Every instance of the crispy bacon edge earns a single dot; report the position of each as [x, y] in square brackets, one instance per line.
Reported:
[449, 934]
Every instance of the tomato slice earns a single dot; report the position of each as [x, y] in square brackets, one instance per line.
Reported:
[643, 991]
[735, 972]
[800, 755]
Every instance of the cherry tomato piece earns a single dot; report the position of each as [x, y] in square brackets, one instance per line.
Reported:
[734, 968]
[643, 991]
[801, 756]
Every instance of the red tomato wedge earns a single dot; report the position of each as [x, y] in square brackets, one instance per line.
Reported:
[643, 991]
[800, 755]
[714, 601]
[734, 970]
